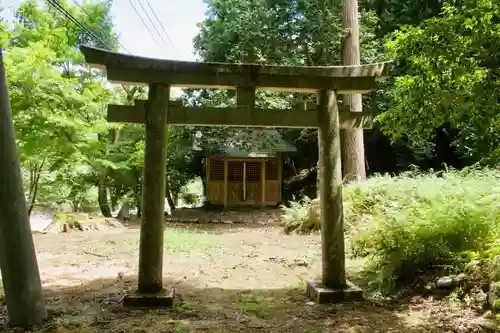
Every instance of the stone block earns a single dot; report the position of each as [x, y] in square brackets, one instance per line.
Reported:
[321, 294]
[163, 299]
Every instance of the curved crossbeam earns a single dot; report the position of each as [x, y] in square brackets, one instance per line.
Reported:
[140, 70]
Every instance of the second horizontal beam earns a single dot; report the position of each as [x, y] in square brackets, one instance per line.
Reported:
[239, 117]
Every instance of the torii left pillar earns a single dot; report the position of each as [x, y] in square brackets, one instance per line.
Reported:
[150, 290]
[20, 275]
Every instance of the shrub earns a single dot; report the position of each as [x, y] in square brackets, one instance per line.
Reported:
[302, 216]
[190, 198]
[192, 193]
[420, 222]
[299, 216]
[415, 222]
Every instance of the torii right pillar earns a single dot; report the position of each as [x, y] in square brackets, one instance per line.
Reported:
[334, 287]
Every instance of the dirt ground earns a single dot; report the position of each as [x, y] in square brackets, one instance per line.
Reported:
[233, 277]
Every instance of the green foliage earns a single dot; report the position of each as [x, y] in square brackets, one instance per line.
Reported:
[281, 32]
[182, 164]
[417, 222]
[297, 217]
[34, 22]
[393, 14]
[192, 192]
[459, 86]
[414, 223]
[58, 107]
[66, 146]
[485, 264]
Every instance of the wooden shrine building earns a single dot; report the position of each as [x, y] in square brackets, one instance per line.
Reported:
[158, 112]
[246, 171]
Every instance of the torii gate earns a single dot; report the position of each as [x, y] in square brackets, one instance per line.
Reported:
[158, 112]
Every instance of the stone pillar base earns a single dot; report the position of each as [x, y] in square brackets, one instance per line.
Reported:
[163, 299]
[320, 294]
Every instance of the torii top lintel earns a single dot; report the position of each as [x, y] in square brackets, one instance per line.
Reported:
[130, 69]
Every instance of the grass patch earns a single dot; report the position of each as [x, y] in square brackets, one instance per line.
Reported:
[179, 240]
[188, 241]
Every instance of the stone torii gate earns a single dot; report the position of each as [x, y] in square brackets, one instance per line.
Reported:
[158, 112]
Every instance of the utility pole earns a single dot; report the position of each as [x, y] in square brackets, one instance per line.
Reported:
[21, 279]
[352, 142]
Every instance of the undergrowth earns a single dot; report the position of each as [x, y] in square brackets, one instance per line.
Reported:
[416, 223]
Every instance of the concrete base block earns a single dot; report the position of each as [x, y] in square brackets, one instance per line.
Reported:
[320, 294]
[163, 299]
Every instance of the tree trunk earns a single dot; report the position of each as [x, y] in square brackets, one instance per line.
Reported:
[19, 267]
[102, 186]
[204, 187]
[102, 196]
[114, 134]
[124, 214]
[168, 194]
[35, 174]
[353, 150]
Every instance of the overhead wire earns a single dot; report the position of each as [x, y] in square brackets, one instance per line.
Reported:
[100, 24]
[152, 23]
[159, 21]
[70, 17]
[144, 23]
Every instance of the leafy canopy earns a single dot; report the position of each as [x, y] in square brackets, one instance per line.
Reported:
[450, 73]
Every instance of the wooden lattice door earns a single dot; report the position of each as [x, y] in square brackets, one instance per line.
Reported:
[244, 182]
[234, 182]
[252, 187]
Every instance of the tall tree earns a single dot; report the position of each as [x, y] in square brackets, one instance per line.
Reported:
[283, 32]
[44, 107]
[82, 96]
[353, 150]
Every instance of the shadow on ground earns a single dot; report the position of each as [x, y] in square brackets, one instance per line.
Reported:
[218, 221]
[212, 228]
[96, 307]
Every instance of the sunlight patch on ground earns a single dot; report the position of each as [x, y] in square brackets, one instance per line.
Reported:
[412, 318]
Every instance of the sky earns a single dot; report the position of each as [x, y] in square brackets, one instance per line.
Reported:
[179, 18]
